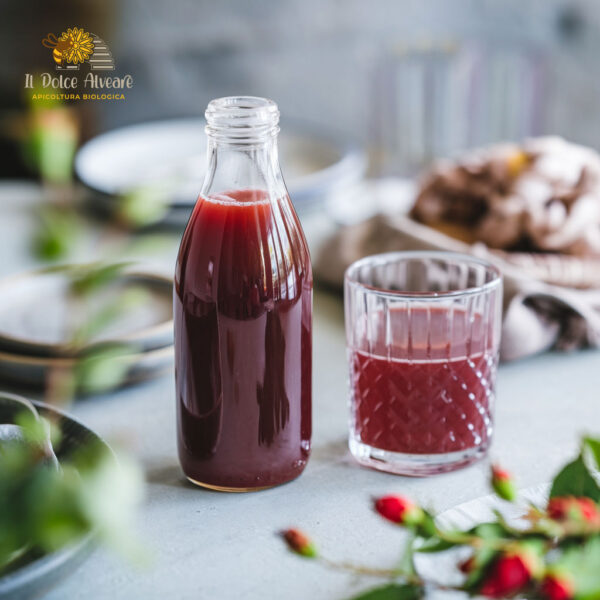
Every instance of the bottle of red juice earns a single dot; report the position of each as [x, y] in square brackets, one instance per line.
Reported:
[243, 312]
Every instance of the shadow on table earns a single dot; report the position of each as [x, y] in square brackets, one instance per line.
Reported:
[167, 474]
[335, 451]
[170, 473]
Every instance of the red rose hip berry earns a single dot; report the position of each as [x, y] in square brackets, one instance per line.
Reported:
[399, 510]
[508, 574]
[557, 587]
[299, 543]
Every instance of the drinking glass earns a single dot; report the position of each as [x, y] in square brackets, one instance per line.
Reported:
[422, 332]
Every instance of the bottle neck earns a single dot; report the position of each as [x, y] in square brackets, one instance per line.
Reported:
[243, 166]
[242, 146]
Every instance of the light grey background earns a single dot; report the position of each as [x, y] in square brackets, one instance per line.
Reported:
[321, 60]
[318, 58]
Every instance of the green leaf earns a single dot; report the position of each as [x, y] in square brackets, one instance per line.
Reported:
[57, 233]
[594, 446]
[481, 561]
[407, 564]
[89, 278]
[427, 526]
[35, 430]
[581, 563]
[43, 508]
[489, 531]
[575, 479]
[104, 368]
[144, 205]
[393, 591]
[435, 544]
[111, 513]
[149, 243]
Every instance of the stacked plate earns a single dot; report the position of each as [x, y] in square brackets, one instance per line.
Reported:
[170, 156]
[36, 323]
[35, 573]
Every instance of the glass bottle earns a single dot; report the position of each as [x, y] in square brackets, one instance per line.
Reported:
[243, 312]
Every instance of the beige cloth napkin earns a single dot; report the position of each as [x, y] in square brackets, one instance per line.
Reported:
[542, 309]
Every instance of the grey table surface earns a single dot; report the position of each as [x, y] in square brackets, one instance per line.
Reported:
[211, 545]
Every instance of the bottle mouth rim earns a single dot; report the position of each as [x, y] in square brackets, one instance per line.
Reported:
[242, 118]
[242, 106]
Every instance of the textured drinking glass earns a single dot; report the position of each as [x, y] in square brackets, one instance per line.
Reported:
[423, 332]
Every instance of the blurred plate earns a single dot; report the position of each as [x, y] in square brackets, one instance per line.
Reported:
[34, 314]
[442, 567]
[172, 155]
[480, 510]
[33, 372]
[40, 573]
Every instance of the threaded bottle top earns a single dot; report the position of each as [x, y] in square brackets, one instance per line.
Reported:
[242, 119]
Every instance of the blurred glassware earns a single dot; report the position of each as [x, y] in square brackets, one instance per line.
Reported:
[168, 157]
[435, 99]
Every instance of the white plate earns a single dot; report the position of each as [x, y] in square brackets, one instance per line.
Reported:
[442, 567]
[35, 319]
[173, 154]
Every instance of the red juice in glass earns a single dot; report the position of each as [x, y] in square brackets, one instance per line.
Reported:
[422, 364]
[430, 401]
[243, 327]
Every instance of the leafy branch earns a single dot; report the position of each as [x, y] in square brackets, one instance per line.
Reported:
[45, 505]
[553, 553]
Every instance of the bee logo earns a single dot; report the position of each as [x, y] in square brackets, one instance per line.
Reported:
[60, 47]
[76, 46]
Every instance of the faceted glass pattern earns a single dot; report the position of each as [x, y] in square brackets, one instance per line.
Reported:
[423, 332]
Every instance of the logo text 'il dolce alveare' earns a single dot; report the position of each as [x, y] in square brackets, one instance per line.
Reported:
[71, 49]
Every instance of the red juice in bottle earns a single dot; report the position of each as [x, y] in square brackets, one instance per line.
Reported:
[243, 314]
